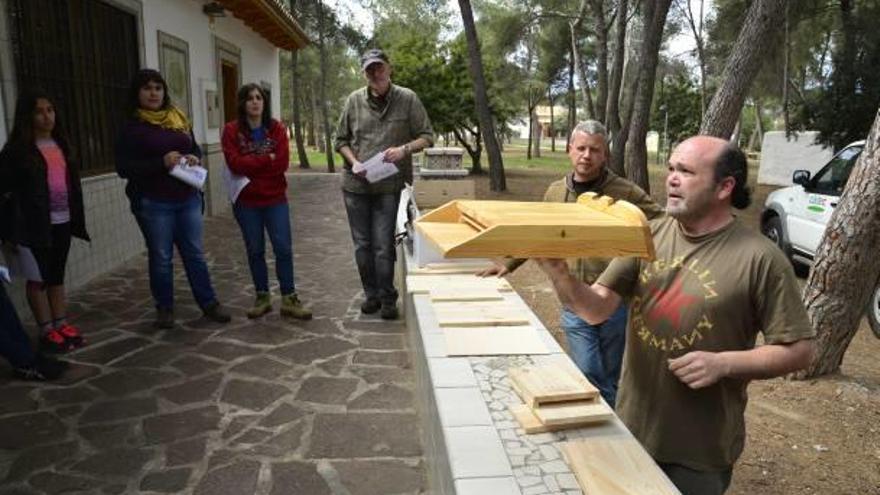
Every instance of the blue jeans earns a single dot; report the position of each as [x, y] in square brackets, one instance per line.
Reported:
[15, 346]
[276, 221]
[167, 224]
[598, 349]
[371, 218]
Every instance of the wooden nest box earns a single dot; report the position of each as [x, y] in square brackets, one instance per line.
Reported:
[594, 226]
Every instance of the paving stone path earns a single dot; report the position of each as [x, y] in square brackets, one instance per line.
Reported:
[272, 406]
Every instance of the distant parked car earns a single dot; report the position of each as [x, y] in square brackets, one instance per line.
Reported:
[795, 217]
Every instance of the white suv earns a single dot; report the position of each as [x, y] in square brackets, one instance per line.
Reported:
[795, 217]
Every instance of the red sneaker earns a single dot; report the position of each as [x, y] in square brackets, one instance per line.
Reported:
[53, 341]
[71, 335]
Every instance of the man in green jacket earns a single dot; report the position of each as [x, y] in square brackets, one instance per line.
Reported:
[596, 349]
[386, 119]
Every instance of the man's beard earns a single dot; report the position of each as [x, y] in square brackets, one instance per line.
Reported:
[692, 207]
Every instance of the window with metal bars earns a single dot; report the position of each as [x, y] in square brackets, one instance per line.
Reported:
[83, 53]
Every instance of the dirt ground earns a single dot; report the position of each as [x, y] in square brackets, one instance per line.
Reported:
[818, 436]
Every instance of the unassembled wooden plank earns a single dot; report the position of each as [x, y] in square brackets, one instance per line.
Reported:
[440, 296]
[480, 314]
[555, 382]
[615, 466]
[493, 341]
[529, 422]
[573, 413]
[450, 268]
[420, 284]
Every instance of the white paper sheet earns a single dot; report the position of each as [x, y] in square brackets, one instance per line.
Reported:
[192, 175]
[22, 263]
[377, 168]
[234, 183]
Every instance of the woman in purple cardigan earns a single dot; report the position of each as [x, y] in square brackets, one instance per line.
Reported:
[157, 137]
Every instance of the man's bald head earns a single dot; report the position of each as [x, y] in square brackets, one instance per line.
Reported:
[727, 160]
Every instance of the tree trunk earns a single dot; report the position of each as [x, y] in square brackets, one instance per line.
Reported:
[297, 111]
[582, 71]
[612, 115]
[630, 84]
[552, 127]
[536, 142]
[313, 121]
[847, 267]
[497, 181]
[325, 113]
[598, 8]
[473, 151]
[572, 109]
[759, 126]
[636, 155]
[786, 53]
[742, 66]
[531, 131]
[734, 138]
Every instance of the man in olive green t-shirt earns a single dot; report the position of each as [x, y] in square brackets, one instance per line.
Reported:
[381, 118]
[694, 316]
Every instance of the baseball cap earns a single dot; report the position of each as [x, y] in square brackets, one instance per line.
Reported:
[372, 56]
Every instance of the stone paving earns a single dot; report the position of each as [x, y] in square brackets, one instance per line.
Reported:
[271, 406]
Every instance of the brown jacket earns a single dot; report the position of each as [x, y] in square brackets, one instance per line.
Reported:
[610, 184]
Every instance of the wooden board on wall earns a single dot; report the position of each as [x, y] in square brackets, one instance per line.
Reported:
[447, 295]
[573, 413]
[615, 466]
[493, 341]
[451, 268]
[556, 382]
[421, 284]
[480, 314]
[529, 422]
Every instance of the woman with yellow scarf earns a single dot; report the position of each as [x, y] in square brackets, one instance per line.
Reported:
[155, 139]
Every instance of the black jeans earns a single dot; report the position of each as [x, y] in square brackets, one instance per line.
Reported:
[14, 343]
[371, 218]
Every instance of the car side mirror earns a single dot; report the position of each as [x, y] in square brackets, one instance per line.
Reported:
[801, 177]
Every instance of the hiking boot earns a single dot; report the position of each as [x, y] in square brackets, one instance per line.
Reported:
[71, 335]
[291, 306]
[389, 311]
[164, 318]
[262, 305]
[53, 341]
[370, 306]
[216, 313]
[42, 369]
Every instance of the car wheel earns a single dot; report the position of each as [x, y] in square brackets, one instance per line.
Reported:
[772, 229]
[874, 311]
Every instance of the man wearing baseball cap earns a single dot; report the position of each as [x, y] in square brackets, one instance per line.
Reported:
[388, 119]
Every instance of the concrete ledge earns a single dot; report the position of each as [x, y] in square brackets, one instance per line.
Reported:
[473, 444]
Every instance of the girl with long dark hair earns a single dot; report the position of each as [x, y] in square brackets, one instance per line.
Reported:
[39, 176]
[256, 146]
[157, 137]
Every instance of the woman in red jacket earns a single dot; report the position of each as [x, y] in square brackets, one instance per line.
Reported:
[256, 147]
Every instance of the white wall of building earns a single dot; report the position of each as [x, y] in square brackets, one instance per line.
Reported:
[115, 236]
[184, 19]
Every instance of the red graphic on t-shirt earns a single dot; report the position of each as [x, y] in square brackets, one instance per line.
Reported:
[669, 304]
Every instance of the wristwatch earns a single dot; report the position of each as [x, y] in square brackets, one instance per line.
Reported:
[406, 149]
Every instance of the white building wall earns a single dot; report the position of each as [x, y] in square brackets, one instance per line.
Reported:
[115, 236]
[184, 19]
